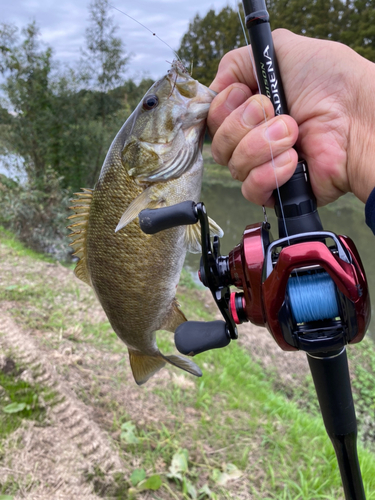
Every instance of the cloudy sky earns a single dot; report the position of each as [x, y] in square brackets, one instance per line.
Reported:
[62, 24]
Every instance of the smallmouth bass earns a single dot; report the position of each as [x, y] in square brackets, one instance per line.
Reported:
[155, 160]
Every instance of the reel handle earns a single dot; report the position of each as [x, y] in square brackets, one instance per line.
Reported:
[194, 337]
[152, 221]
[295, 203]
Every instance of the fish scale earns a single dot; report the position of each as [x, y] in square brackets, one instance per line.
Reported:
[155, 160]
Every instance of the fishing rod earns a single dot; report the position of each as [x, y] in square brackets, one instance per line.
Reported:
[308, 287]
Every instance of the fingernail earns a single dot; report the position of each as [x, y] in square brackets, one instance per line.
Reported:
[282, 160]
[235, 98]
[277, 131]
[253, 113]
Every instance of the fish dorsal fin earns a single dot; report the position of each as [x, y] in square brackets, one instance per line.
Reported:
[193, 235]
[78, 227]
[143, 201]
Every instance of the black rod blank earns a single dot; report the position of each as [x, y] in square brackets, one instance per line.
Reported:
[332, 384]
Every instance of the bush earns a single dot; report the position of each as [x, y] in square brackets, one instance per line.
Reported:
[36, 213]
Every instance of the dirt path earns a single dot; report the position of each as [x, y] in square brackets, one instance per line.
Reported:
[57, 458]
[75, 452]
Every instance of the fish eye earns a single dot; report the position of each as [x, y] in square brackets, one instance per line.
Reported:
[150, 102]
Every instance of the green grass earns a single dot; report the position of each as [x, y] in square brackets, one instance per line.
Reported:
[234, 422]
[20, 400]
[240, 412]
[8, 239]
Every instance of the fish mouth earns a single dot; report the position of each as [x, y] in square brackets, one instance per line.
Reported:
[181, 75]
[198, 109]
[207, 97]
[199, 106]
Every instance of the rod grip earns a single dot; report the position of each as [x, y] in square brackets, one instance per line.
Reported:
[152, 221]
[298, 213]
[295, 205]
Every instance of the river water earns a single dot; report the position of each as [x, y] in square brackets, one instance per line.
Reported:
[232, 212]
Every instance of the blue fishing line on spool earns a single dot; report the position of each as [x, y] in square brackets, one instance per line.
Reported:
[312, 297]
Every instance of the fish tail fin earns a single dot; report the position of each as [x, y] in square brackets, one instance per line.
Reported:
[184, 363]
[144, 366]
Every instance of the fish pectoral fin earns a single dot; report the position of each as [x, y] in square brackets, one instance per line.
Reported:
[193, 238]
[184, 363]
[193, 235]
[144, 366]
[174, 318]
[147, 199]
[215, 229]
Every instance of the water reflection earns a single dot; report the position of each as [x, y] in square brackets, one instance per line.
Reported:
[232, 212]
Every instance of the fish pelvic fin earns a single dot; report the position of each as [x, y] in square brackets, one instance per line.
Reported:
[78, 227]
[193, 235]
[144, 366]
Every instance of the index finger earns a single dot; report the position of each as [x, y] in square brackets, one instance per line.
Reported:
[235, 67]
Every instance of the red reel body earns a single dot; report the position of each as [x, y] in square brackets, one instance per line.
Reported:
[262, 268]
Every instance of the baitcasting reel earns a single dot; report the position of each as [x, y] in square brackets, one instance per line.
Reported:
[309, 289]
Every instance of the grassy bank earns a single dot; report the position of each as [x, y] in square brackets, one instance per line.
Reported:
[235, 433]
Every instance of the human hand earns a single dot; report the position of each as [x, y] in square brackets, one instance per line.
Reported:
[325, 84]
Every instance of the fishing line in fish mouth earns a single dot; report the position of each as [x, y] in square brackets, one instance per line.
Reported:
[146, 28]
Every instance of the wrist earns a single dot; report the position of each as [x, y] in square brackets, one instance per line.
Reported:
[361, 147]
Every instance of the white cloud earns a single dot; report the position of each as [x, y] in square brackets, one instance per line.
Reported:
[63, 25]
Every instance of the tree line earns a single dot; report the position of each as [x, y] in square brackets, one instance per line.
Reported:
[64, 118]
[209, 37]
[61, 120]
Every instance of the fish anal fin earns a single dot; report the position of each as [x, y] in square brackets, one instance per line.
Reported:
[144, 366]
[79, 233]
[146, 199]
[174, 318]
[184, 363]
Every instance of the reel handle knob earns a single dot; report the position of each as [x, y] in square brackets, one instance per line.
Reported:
[194, 337]
[152, 221]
